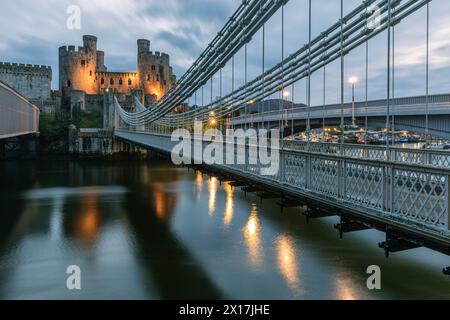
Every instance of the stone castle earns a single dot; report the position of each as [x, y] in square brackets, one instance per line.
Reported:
[83, 75]
[84, 78]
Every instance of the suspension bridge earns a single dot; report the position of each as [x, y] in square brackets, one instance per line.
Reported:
[402, 192]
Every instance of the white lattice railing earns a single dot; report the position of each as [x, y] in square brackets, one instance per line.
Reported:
[404, 155]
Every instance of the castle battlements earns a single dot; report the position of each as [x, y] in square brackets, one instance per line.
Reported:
[31, 80]
[66, 50]
[157, 55]
[116, 73]
[26, 68]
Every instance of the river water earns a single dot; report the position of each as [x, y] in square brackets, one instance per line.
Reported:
[149, 230]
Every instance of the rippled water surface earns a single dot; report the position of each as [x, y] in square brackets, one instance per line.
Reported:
[148, 230]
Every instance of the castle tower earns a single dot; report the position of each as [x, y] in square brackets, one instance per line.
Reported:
[90, 44]
[143, 47]
[154, 71]
[101, 62]
[77, 68]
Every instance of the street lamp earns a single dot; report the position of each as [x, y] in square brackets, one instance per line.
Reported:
[285, 95]
[353, 81]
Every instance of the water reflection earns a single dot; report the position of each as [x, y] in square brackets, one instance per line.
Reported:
[229, 205]
[169, 268]
[252, 233]
[287, 262]
[199, 184]
[345, 290]
[212, 188]
[164, 202]
[75, 211]
[87, 224]
[148, 227]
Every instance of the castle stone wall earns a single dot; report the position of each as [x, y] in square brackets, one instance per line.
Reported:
[32, 81]
[119, 82]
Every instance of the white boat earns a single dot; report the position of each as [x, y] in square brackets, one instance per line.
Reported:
[440, 145]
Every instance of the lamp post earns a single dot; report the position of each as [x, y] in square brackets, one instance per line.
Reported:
[249, 110]
[353, 81]
[286, 95]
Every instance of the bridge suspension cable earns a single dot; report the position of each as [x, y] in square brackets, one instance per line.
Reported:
[239, 30]
[342, 70]
[427, 70]
[388, 99]
[364, 40]
[319, 52]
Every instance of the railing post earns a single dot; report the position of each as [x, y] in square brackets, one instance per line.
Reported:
[247, 156]
[340, 177]
[282, 166]
[391, 171]
[385, 189]
[308, 171]
[447, 217]
[428, 158]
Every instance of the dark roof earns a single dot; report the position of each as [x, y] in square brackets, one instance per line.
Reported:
[273, 105]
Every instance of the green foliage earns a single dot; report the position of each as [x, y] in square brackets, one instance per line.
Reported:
[54, 130]
[81, 119]
[54, 133]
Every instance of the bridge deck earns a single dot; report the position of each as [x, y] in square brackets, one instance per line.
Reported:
[410, 198]
[18, 116]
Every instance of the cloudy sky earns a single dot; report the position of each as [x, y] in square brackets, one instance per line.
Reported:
[32, 31]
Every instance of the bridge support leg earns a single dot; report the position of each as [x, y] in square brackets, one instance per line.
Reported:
[249, 189]
[394, 244]
[291, 203]
[316, 212]
[347, 225]
[446, 271]
[2, 150]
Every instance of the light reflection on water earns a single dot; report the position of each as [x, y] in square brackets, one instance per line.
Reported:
[212, 187]
[229, 205]
[88, 224]
[287, 262]
[148, 230]
[345, 290]
[199, 184]
[252, 233]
